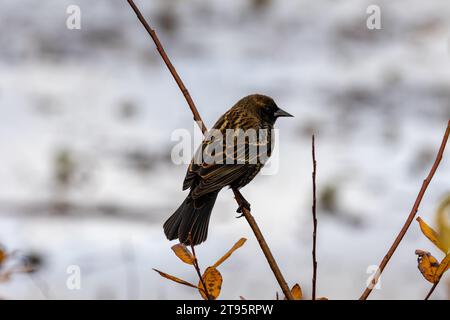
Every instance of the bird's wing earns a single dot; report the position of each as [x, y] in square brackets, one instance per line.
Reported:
[204, 175]
[205, 178]
[215, 177]
[207, 175]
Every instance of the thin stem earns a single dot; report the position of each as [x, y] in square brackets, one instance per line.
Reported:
[411, 216]
[431, 290]
[170, 66]
[314, 278]
[198, 119]
[197, 269]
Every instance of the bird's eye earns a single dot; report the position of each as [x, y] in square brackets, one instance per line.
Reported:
[273, 108]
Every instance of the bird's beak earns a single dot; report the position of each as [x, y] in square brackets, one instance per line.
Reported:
[282, 113]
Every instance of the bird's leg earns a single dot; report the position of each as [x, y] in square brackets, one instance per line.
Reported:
[243, 203]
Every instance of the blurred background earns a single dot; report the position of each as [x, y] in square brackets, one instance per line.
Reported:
[86, 177]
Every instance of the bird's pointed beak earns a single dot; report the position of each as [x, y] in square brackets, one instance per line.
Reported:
[282, 113]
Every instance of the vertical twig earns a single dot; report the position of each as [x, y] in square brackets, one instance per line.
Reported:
[314, 278]
[198, 119]
[411, 216]
[197, 269]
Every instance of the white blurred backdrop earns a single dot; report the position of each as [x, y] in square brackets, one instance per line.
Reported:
[86, 117]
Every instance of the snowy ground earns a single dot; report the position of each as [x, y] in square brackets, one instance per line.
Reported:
[378, 102]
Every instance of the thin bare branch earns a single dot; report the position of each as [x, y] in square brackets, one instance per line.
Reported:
[263, 244]
[170, 66]
[431, 290]
[197, 269]
[411, 216]
[314, 278]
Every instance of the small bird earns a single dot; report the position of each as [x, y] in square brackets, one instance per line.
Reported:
[219, 163]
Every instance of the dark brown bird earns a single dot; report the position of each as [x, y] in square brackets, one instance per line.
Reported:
[219, 163]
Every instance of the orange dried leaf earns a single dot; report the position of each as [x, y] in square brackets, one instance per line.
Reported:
[428, 265]
[432, 235]
[443, 222]
[297, 292]
[2, 256]
[236, 246]
[213, 281]
[183, 253]
[175, 279]
[443, 266]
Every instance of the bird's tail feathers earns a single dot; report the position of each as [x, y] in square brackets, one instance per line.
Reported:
[191, 217]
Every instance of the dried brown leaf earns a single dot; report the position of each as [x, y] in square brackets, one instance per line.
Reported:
[432, 235]
[427, 264]
[213, 281]
[443, 266]
[297, 292]
[175, 279]
[236, 246]
[2, 256]
[183, 253]
[443, 221]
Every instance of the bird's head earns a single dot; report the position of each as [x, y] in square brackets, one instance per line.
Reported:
[266, 108]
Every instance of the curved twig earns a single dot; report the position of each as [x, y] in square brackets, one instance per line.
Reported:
[411, 216]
